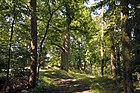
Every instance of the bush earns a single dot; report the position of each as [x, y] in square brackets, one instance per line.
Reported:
[18, 72]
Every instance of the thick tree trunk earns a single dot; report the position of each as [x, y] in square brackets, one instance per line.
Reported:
[128, 85]
[66, 45]
[136, 63]
[33, 56]
[62, 60]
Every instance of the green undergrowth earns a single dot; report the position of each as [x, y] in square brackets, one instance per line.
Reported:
[45, 85]
[56, 73]
[106, 85]
[47, 82]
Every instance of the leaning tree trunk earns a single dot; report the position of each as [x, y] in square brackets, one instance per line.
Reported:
[41, 43]
[9, 55]
[45, 35]
[9, 51]
[128, 85]
[33, 55]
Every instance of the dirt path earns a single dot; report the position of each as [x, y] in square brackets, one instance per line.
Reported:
[70, 86]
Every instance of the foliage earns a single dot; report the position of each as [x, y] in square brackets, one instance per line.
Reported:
[85, 30]
[46, 85]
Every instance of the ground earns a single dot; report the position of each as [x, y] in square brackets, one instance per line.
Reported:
[59, 81]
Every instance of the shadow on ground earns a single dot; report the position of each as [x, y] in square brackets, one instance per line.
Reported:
[59, 81]
[67, 82]
[77, 83]
[70, 86]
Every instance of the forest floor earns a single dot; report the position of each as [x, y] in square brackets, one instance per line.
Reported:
[59, 81]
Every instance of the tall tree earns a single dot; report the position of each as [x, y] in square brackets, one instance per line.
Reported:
[65, 55]
[66, 45]
[33, 55]
[10, 45]
[52, 8]
[128, 85]
[102, 35]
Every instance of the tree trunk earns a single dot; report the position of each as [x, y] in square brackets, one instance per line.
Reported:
[137, 34]
[102, 35]
[128, 85]
[9, 50]
[62, 60]
[42, 41]
[9, 56]
[137, 50]
[66, 37]
[118, 60]
[66, 45]
[79, 61]
[33, 55]
[113, 56]
[113, 65]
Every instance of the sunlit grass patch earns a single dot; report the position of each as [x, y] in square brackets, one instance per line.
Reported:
[77, 75]
[62, 74]
[48, 81]
[57, 74]
[46, 85]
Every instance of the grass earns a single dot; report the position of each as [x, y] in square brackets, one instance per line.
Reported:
[106, 85]
[58, 81]
[46, 85]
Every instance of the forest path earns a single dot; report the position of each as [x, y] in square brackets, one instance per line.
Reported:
[60, 81]
[69, 82]
[71, 86]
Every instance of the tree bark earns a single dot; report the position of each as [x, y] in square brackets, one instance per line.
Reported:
[128, 85]
[113, 55]
[33, 55]
[66, 45]
[118, 60]
[65, 55]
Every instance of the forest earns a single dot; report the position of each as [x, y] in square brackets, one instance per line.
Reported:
[69, 46]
